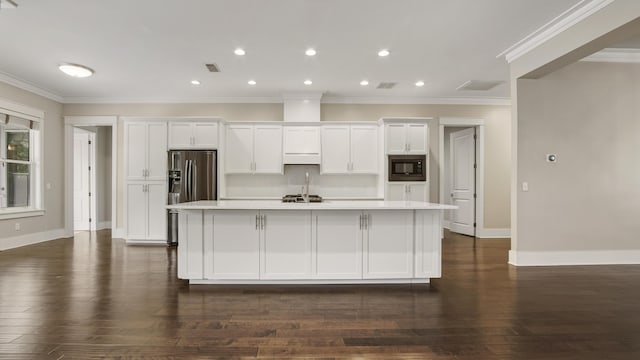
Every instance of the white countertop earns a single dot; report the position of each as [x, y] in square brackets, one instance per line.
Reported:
[325, 205]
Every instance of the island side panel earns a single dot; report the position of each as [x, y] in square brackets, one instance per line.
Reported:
[428, 255]
[190, 244]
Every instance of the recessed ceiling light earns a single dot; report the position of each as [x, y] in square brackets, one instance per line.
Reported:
[383, 53]
[310, 52]
[364, 83]
[239, 51]
[75, 70]
[420, 83]
[251, 82]
[195, 82]
[308, 82]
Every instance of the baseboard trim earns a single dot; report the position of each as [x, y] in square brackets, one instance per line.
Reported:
[494, 233]
[117, 233]
[103, 225]
[446, 224]
[147, 242]
[30, 239]
[560, 258]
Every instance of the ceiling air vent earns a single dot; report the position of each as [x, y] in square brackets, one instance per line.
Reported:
[386, 85]
[212, 67]
[478, 85]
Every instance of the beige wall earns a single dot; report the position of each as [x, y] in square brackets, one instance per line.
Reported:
[103, 174]
[52, 165]
[586, 113]
[497, 120]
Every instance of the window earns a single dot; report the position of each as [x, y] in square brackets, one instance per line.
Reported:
[19, 164]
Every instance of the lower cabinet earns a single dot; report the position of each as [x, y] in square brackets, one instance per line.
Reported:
[285, 244]
[146, 213]
[337, 236]
[388, 245]
[407, 192]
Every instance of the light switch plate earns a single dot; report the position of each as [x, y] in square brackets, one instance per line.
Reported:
[525, 186]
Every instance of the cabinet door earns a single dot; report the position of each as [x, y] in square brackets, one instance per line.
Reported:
[136, 151]
[302, 140]
[231, 245]
[239, 149]
[157, 151]
[396, 139]
[395, 192]
[337, 238]
[364, 149]
[136, 211]
[388, 245]
[157, 214]
[267, 149]
[335, 149]
[417, 192]
[285, 249]
[180, 135]
[205, 135]
[417, 138]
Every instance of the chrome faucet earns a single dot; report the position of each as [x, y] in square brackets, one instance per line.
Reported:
[305, 194]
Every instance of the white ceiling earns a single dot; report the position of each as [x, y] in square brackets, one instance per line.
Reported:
[150, 50]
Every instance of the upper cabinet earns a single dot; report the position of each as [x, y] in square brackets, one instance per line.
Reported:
[253, 149]
[301, 144]
[349, 149]
[406, 138]
[146, 150]
[193, 135]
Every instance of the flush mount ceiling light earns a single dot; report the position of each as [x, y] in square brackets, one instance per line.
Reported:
[310, 52]
[383, 53]
[308, 82]
[364, 83]
[239, 52]
[419, 83]
[75, 70]
[251, 82]
[195, 82]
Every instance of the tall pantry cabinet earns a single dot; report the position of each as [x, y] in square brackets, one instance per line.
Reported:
[145, 181]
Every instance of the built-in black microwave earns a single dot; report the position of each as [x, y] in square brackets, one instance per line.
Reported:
[407, 168]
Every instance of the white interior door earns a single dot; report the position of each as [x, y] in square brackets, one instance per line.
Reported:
[462, 177]
[81, 180]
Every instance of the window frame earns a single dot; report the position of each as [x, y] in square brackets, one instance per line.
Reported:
[36, 151]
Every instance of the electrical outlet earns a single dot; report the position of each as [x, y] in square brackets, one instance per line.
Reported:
[17, 226]
[48, 186]
[525, 186]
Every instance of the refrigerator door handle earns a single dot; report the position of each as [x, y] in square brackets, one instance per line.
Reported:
[187, 182]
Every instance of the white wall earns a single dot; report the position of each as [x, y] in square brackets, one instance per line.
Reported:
[584, 208]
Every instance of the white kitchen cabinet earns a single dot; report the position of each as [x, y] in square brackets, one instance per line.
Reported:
[146, 150]
[190, 248]
[406, 138]
[193, 135]
[349, 149]
[301, 144]
[146, 213]
[407, 192]
[428, 246]
[285, 244]
[337, 239]
[388, 245]
[253, 149]
[232, 245]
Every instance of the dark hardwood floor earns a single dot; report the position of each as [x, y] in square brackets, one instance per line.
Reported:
[93, 297]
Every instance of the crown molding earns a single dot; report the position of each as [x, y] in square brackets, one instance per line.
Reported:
[207, 100]
[24, 85]
[615, 56]
[417, 100]
[562, 22]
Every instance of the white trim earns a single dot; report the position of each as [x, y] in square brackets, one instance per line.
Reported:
[615, 56]
[29, 239]
[19, 110]
[491, 233]
[402, 100]
[11, 213]
[117, 233]
[465, 122]
[446, 224]
[206, 100]
[70, 122]
[562, 22]
[24, 85]
[147, 242]
[310, 281]
[581, 257]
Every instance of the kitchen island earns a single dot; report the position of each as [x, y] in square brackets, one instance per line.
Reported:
[332, 242]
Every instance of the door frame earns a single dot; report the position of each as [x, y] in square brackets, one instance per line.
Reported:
[478, 124]
[93, 216]
[69, 123]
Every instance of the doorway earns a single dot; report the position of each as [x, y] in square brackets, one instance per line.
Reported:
[461, 168]
[84, 180]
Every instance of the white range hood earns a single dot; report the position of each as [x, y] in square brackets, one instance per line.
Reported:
[301, 143]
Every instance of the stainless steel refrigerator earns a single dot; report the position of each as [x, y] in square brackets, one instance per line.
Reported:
[192, 176]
